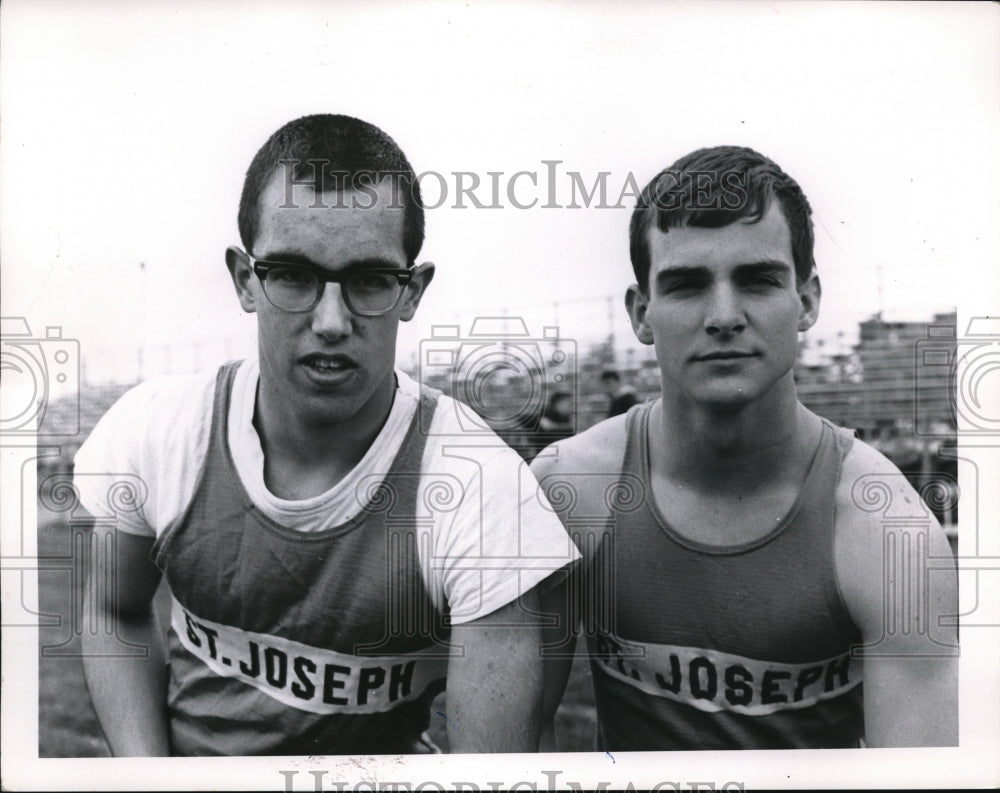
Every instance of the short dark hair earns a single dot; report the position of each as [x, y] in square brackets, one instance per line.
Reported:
[713, 187]
[330, 150]
[610, 374]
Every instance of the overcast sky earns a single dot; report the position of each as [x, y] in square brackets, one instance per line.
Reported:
[127, 129]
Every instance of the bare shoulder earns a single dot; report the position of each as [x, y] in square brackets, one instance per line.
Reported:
[873, 493]
[580, 476]
[884, 533]
[598, 450]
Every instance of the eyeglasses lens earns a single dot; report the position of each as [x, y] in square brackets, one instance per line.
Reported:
[294, 289]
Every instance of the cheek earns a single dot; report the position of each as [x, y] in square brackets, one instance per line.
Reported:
[276, 331]
[659, 316]
[779, 317]
[786, 333]
[671, 322]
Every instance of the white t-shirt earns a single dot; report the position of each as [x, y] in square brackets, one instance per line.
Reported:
[490, 531]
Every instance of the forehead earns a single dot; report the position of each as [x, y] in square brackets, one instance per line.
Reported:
[330, 226]
[769, 239]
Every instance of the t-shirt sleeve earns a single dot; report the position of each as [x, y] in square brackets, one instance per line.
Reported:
[106, 469]
[140, 464]
[501, 540]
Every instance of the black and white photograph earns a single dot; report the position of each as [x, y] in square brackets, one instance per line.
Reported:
[499, 395]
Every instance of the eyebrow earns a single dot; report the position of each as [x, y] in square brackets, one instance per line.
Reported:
[765, 265]
[697, 271]
[289, 257]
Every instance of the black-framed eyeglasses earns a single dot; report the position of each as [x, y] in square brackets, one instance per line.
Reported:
[368, 291]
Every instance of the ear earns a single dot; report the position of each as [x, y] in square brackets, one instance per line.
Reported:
[243, 277]
[809, 297]
[423, 274]
[637, 305]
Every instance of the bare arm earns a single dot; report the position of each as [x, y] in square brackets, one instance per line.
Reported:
[559, 639]
[559, 643]
[899, 583]
[129, 693]
[495, 680]
[574, 473]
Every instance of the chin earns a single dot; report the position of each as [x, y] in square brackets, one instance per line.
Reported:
[727, 399]
[330, 410]
[725, 405]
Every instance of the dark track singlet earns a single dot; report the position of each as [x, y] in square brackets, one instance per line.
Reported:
[707, 647]
[284, 642]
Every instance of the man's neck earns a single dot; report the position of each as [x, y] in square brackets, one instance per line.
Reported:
[734, 449]
[304, 457]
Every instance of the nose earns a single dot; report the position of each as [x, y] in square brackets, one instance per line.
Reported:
[330, 317]
[724, 313]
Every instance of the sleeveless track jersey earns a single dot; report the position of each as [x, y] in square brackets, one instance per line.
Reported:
[284, 642]
[707, 647]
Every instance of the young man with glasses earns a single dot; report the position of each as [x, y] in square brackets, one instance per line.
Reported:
[334, 548]
[753, 576]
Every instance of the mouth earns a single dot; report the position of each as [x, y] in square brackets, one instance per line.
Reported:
[329, 365]
[725, 355]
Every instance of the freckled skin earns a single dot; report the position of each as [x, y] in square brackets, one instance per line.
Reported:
[332, 237]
